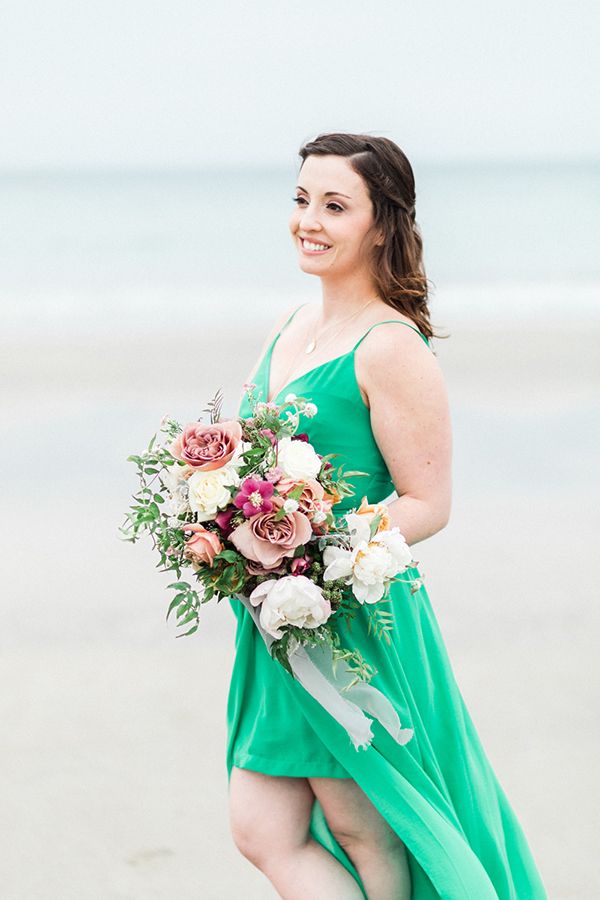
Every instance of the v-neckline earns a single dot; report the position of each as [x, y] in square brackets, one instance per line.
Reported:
[267, 373]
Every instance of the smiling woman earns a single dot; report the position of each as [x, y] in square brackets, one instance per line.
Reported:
[321, 819]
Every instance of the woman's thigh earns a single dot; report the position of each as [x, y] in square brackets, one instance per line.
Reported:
[351, 816]
[268, 813]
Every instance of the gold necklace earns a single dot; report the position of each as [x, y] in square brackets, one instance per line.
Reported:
[313, 342]
[297, 357]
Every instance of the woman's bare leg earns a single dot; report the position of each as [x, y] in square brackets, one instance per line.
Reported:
[270, 822]
[372, 845]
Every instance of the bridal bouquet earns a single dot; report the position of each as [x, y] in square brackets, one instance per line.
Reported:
[247, 505]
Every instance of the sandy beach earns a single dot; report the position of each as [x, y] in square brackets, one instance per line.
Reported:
[113, 758]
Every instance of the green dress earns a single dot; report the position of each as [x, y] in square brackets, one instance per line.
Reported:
[438, 791]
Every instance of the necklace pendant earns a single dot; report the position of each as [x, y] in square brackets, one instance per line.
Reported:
[310, 346]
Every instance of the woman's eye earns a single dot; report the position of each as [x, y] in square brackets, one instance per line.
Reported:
[337, 208]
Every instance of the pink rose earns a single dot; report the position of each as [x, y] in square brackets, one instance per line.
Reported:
[207, 447]
[203, 546]
[266, 541]
[253, 568]
[308, 501]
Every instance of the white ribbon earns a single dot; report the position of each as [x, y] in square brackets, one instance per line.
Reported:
[313, 667]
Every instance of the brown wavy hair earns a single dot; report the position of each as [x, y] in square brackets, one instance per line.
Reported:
[397, 265]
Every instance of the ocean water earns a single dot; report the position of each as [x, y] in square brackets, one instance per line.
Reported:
[107, 251]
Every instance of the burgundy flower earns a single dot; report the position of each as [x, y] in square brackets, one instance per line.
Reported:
[300, 565]
[301, 437]
[223, 520]
[254, 497]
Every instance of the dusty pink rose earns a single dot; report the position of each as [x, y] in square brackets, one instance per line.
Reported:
[207, 447]
[253, 568]
[266, 541]
[312, 493]
[203, 546]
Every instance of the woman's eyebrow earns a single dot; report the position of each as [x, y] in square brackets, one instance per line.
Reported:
[326, 194]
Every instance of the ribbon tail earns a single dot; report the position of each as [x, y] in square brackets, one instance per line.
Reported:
[364, 695]
[313, 667]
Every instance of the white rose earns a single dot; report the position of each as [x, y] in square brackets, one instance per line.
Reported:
[291, 600]
[298, 459]
[210, 491]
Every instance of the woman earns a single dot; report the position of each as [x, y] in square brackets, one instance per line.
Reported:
[320, 819]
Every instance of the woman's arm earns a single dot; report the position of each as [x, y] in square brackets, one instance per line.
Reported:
[410, 418]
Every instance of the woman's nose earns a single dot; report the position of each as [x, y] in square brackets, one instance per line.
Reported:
[309, 219]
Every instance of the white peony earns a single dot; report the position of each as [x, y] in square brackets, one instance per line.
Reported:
[370, 562]
[210, 491]
[298, 459]
[291, 600]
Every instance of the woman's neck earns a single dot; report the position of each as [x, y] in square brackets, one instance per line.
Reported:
[340, 300]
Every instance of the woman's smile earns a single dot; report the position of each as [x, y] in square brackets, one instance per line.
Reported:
[313, 248]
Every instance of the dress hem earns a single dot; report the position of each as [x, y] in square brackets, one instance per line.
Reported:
[298, 769]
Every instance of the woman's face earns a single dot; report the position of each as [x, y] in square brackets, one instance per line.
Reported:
[333, 207]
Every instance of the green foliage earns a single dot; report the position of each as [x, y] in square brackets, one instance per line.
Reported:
[380, 622]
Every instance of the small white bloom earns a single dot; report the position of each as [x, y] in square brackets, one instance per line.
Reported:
[319, 517]
[298, 459]
[291, 505]
[177, 488]
[289, 398]
[291, 600]
[310, 410]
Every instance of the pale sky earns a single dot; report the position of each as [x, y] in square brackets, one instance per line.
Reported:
[186, 83]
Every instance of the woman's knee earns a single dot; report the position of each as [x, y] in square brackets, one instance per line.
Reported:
[269, 815]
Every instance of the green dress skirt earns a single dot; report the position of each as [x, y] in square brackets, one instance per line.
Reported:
[438, 792]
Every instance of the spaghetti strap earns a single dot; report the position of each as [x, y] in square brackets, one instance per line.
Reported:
[285, 325]
[386, 321]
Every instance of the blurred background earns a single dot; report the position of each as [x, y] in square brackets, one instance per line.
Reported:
[147, 166]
